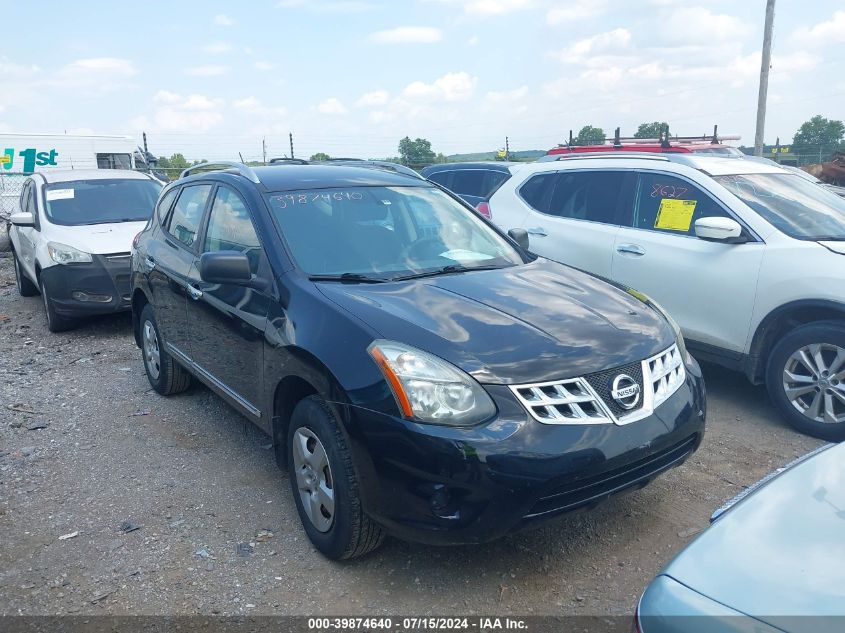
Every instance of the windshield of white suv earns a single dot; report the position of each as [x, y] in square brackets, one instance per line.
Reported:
[799, 208]
[379, 233]
[80, 202]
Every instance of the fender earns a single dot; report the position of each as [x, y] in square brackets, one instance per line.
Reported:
[781, 319]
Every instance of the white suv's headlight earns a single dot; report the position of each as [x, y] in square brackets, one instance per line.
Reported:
[429, 389]
[64, 254]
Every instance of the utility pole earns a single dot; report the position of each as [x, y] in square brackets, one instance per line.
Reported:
[290, 134]
[264, 149]
[765, 63]
[507, 149]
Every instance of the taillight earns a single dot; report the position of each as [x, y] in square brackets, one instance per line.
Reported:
[484, 209]
[135, 241]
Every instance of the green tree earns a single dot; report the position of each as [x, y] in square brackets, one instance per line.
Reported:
[320, 156]
[589, 135]
[817, 139]
[416, 152]
[651, 130]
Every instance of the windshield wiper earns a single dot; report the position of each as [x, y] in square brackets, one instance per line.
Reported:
[350, 277]
[447, 270]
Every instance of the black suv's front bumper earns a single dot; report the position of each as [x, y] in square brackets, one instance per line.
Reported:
[98, 287]
[444, 485]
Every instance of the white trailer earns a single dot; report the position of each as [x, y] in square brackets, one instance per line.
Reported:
[29, 153]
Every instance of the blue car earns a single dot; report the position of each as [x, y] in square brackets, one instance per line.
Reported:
[772, 560]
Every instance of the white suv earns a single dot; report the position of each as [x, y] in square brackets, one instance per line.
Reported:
[72, 236]
[748, 258]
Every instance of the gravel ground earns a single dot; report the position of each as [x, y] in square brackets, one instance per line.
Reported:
[114, 500]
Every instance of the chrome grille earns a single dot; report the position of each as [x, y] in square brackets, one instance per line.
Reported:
[576, 401]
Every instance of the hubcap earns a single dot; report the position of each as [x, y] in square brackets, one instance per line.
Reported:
[813, 381]
[314, 478]
[152, 355]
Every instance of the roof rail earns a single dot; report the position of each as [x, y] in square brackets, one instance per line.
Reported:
[289, 161]
[230, 166]
[597, 155]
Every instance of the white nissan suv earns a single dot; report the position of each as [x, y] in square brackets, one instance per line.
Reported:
[747, 257]
[72, 237]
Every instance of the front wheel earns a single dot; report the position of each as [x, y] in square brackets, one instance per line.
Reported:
[806, 379]
[25, 286]
[55, 322]
[166, 376]
[324, 485]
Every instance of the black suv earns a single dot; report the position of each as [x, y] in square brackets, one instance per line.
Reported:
[420, 373]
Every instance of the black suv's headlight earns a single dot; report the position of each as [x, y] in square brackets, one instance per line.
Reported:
[429, 389]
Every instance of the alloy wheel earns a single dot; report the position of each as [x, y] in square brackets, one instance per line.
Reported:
[314, 478]
[152, 354]
[814, 382]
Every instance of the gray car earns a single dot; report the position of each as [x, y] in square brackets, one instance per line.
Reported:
[772, 560]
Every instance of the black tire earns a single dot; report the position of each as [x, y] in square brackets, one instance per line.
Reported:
[828, 334]
[26, 288]
[55, 322]
[352, 532]
[167, 377]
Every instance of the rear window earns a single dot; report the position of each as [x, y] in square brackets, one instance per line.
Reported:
[104, 201]
[479, 183]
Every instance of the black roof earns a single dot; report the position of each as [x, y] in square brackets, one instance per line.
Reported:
[492, 165]
[287, 176]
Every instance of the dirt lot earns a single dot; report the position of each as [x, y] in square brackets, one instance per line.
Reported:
[87, 450]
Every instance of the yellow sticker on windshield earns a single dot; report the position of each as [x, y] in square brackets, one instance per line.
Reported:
[675, 215]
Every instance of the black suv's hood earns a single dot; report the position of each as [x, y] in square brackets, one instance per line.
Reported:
[531, 323]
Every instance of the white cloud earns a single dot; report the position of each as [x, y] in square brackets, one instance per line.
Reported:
[253, 106]
[328, 6]
[408, 35]
[332, 105]
[491, 7]
[690, 25]
[173, 112]
[374, 98]
[828, 32]
[113, 67]
[580, 50]
[473, 41]
[207, 71]
[575, 11]
[10, 69]
[505, 96]
[216, 48]
[450, 87]
[264, 66]
[223, 20]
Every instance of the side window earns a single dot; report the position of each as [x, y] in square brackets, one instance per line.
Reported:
[493, 180]
[114, 161]
[669, 204]
[469, 182]
[187, 213]
[587, 195]
[537, 191]
[230, 227]
[26, 197]
[164, 204]
[442, 178]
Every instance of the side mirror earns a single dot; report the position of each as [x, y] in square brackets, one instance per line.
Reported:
[225, 267]
[520, 236]
[22, 218]
[717, 229]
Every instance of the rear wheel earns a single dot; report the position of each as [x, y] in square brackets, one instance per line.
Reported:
[166, 376]
[25, 286]
[806, 379]
[324, 485]
[55, 322]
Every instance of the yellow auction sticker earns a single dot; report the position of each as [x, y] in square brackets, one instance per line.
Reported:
[675, 215]
[5, 158]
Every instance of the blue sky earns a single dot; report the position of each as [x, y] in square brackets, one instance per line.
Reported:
[351, 77]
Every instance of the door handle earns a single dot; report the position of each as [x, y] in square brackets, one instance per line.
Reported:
[630, 249]
[150, 262]
[195, 293]
[539, 231]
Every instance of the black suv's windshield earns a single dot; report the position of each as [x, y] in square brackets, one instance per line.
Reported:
[385, 232]
[799, 208]
[101, 201]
